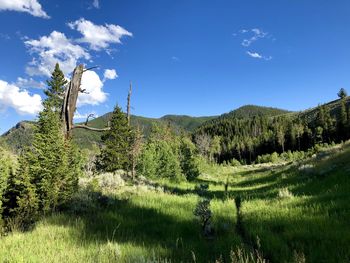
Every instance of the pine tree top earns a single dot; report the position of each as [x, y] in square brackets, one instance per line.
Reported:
[56, 86]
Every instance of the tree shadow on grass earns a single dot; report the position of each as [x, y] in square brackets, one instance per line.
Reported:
[125, 222]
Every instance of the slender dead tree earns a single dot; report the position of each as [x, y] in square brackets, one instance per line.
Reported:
[128, 104]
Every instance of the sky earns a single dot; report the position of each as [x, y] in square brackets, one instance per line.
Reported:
[193, 57]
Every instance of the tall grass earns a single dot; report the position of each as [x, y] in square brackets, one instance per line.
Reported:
[298, 215]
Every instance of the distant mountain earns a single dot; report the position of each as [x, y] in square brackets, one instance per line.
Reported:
[21, 135]
[249, 111]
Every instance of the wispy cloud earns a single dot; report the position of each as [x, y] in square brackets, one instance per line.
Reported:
[254, 55]
[96, 4]
[32, 7]
[250, 36]
[258, 56]
[174, 58]
[256, 34]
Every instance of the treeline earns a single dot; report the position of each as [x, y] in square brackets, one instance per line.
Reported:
[245, 139]
[164, 154]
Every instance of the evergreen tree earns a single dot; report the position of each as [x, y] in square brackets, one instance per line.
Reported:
[188, 162]
[50, 160]
[115, 153]
[20, 200]
[56, 87]
[49, 170]
[342, 94]
[343, 119]
[148, 162]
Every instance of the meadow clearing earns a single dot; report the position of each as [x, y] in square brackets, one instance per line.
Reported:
[291, 212]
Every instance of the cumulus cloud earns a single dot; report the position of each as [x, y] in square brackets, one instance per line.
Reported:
[32, 7]
[110, 74]
[19, 99]
[93, 85]
[99, 36]
[258, 56]
[48, 50]
[29, 83]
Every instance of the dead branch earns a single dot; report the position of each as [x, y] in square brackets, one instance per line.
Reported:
[91, 128]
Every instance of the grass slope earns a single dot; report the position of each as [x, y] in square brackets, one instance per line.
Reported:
[289, 212]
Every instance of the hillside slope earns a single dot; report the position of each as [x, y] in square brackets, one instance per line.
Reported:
[21, 135]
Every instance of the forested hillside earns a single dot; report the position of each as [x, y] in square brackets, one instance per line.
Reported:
[255, 131]
[21, 135]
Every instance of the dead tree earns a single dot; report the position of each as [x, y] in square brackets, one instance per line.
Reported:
[70, 103]
[128, 104]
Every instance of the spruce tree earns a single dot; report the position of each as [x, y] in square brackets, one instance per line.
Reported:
[188, 162]
[343, 119]
[56, 87]
[20, 200]
[115, 152]
[50, 159]
[49, 170]
[342, 94]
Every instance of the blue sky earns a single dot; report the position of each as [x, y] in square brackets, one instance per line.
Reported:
[194, 57]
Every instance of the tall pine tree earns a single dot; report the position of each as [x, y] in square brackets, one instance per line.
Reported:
[115, 152]
[56, 87]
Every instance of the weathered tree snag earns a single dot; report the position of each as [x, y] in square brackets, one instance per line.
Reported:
[70, 103]
[70, 99]
[128, 104]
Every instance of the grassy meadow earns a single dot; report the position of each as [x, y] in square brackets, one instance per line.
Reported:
[291, 212]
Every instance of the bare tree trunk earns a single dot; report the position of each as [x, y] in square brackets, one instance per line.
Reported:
[128, 104]
[70, 100]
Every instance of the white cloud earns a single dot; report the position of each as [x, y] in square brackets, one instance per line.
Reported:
[110, 74]
[257, 33]
[258, 56]
[93, 85]
[19, 99]
[29, 83]
[32, 7]
[174, 58]
[96, 4]
[254, 54]
[48, 50]
[99, 36]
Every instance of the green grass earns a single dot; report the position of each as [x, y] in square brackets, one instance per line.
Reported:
[287, 210]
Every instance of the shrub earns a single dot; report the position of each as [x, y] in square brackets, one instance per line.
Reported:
[110, 181]
[235, 162]
[203, 212]
[284, 193]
